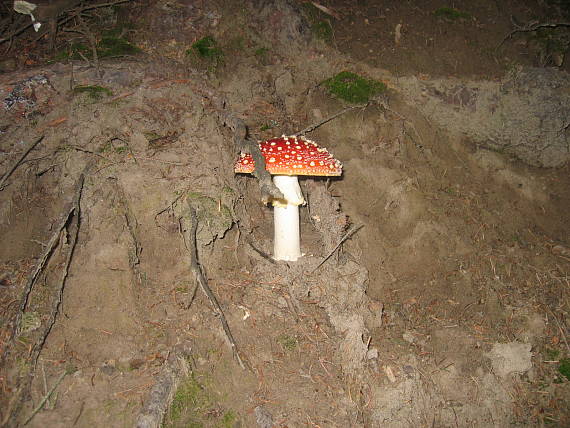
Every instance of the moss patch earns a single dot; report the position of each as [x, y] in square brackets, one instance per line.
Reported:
[213, 215]
[115, 46]
[451, 14]
[353, 88]
[320, 25]
[323, 30]
[288, 343]
[564, 368]
[94, 92]
[194, 406]
[207, 48]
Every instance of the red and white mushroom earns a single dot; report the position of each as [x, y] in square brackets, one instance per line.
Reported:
[286, 158]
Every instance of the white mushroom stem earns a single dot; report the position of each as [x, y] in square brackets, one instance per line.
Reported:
[287, 239]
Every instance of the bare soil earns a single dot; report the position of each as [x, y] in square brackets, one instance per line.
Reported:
[444, 293]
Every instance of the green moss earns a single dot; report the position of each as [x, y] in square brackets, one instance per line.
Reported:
[94, 92]
[207, 47]
[72, 52]
[320, 25]
[110, 147]
[151, 136]
[189, 395]
[312, 13]
[30, 321]
[323, 30]
[115, 46]
[288, 343]
[270, 125]
[194, 406]
[228, 419]
[564, 368]
[353, 88]
[451, 14]
[213, 215]
[261, 52]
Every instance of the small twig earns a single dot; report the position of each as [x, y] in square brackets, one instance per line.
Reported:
[197, 270]
[48, 395]
[18, 162]
[344, 238]
[262, 253]
[328, 119]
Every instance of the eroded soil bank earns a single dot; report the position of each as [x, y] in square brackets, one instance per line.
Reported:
[434, 290]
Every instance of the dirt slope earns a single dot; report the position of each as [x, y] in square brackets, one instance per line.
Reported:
[447, 307]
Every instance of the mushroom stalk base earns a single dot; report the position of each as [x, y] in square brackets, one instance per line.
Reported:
[287, 241]
[286, 245]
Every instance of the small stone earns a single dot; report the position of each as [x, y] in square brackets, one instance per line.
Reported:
[408, 337]
[263, 418]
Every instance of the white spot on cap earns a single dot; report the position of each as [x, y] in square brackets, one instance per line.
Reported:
[272, 160]
[287, 156]
[312, 163]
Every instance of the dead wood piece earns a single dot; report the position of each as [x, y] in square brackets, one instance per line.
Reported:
[162, 393]
[244, 144]
[201, 279]
[18, 162]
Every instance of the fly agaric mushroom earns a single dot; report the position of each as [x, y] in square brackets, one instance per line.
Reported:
[286, 158]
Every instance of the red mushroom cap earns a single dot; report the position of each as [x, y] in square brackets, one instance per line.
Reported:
[292, 156]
